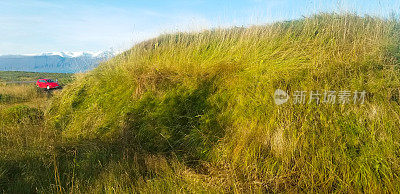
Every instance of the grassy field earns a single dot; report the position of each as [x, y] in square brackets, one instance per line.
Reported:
[12, 92]
[194, 112]
[23, 138]
[12, 76]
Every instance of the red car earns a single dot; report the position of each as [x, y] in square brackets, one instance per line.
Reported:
[47, 84]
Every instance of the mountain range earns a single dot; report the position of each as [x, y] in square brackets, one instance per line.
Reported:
[54, 62]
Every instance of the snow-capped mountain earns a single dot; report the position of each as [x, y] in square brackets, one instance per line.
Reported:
[54, 62]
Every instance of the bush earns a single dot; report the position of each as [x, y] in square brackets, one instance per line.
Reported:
[22, 114]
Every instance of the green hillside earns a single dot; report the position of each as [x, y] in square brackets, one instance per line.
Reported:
[195, 112]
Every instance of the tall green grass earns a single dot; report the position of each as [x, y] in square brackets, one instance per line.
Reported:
[194, 112]
[25, 141]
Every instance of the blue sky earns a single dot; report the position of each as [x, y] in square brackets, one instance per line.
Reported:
[34, 26]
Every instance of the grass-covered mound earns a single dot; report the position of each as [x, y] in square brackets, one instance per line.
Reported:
[198, 108]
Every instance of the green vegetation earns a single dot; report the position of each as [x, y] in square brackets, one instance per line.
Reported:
[18, 87]
[12, 76]
[193, 112]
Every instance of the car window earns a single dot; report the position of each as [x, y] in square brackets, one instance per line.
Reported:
[42, 81]
[49, 81]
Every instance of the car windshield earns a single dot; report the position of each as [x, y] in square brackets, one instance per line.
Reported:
[49, 81]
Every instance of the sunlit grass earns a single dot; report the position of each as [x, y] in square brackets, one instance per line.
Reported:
[193, 112]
